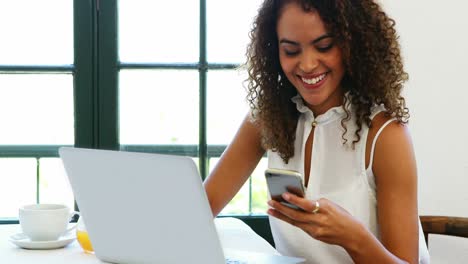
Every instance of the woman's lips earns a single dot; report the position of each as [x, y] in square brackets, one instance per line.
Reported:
[313, 82]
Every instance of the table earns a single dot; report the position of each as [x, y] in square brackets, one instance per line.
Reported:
[234, 234]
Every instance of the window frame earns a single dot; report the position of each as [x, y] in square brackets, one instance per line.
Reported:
[95, 90]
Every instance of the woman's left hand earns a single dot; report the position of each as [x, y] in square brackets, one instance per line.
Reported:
[329, 223]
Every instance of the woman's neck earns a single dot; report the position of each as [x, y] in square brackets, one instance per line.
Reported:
[334, 100]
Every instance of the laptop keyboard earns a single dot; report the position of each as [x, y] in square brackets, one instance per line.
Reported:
[234, 261]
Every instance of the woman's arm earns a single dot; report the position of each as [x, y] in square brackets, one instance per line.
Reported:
[395, 174]
[235, 166]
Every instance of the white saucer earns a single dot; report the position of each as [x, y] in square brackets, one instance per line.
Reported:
[23, 241]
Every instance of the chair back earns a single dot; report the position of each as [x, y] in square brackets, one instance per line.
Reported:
[444, 225]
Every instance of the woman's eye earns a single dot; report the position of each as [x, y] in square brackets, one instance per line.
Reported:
[325, 48]
[291, 53]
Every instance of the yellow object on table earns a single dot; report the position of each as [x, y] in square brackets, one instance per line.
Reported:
[82, 236]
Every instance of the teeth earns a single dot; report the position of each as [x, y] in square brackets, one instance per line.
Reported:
[314, 80]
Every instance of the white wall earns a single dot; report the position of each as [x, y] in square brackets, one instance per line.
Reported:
[434, 39]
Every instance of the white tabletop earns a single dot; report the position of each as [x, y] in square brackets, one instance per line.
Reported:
[233, 233]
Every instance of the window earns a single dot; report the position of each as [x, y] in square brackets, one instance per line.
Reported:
[186, 71]
[136, 75]
[36, 101]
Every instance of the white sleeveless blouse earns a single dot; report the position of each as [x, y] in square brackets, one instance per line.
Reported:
[338, 173]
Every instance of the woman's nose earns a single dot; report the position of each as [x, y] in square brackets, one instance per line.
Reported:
[309, 62]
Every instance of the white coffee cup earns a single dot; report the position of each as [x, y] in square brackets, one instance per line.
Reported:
[45, 222]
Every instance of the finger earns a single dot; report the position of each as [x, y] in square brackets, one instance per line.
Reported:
[288, 211]
[304, 204]
[277, 214]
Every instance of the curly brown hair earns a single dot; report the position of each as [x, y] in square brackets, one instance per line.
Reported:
[371, 53]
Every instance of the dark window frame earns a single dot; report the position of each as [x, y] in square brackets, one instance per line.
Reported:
[95, 81]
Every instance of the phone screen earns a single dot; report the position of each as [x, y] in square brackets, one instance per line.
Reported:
[280, 182]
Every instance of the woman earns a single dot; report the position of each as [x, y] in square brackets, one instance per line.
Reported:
[325, 79]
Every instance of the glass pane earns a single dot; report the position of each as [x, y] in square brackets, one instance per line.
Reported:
[228, 32]
[158, 30]
[53, 183]
[226, 105]
[36, 32]
[36, 109]
[240, 203]
[17, 184]
[259, 188]
[159, 107]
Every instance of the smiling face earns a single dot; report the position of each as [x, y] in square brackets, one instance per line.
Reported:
[310, 58]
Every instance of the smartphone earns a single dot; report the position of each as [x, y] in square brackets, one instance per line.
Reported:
[280, 181]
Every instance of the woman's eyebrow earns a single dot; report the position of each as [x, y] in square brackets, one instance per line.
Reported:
[324, 36]
[287, 41]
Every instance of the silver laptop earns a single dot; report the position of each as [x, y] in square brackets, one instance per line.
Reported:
[148, 208]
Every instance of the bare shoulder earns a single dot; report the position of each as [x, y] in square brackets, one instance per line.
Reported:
[394, 136]
[394, 159]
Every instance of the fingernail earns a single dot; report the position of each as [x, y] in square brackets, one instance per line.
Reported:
[286, 196]
[270, 203]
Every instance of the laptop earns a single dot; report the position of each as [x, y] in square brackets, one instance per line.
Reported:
[148, 208]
